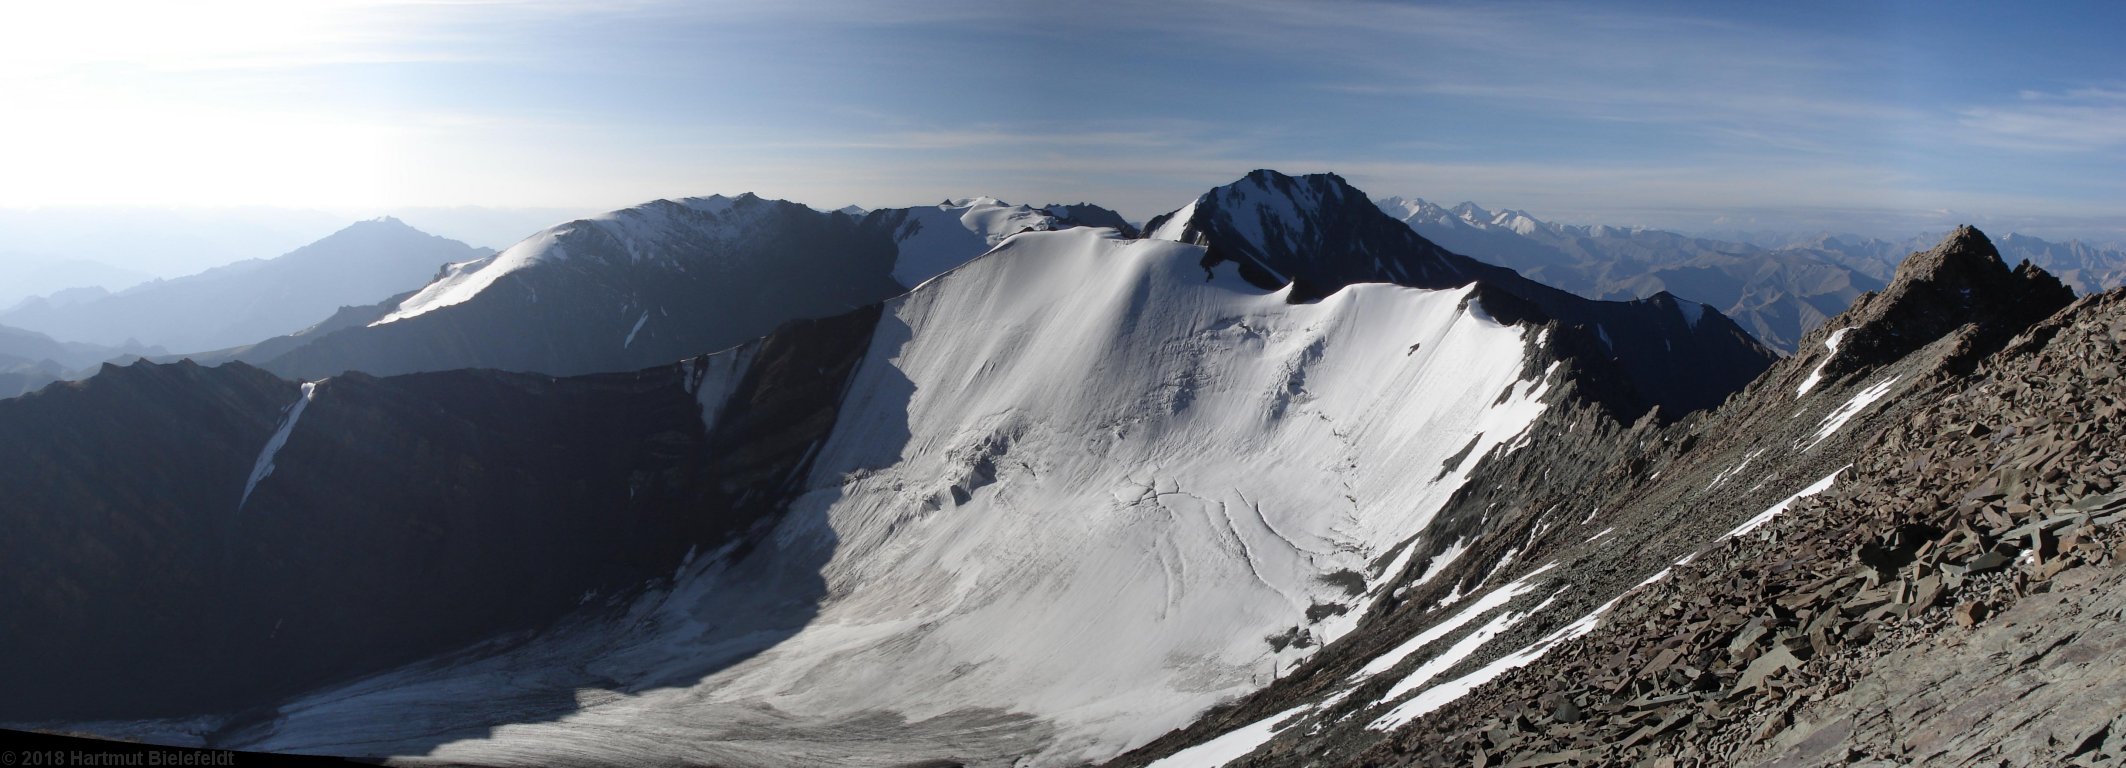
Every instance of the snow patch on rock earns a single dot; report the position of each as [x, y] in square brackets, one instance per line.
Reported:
[264, 465]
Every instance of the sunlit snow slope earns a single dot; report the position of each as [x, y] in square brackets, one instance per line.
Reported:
[1074, 493]
[936, 238]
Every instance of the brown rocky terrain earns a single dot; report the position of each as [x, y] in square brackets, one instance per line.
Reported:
[1957, 604]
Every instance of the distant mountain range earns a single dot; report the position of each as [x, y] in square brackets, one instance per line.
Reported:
[29, 360]
[1779, 288]
[250, 300]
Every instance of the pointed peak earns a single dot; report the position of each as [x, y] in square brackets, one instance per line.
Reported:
[1472, 211]
[978, 201]
[1959, 285]
[370, 230]
[1964, 253]
[1315, 232]
[379, 224]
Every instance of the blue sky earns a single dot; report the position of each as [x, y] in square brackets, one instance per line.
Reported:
[1881, 118]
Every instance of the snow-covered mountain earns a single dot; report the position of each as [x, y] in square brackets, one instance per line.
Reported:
[933, 239]
[251, 300]
[1048, 505]
[1319, 233]
[653, 283]
[990, 521]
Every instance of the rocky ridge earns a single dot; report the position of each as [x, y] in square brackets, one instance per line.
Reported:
[1956, 603]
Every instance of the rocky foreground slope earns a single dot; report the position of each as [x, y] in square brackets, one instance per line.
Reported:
[1940, 587]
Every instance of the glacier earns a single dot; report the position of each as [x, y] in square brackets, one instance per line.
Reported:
[1077, 494]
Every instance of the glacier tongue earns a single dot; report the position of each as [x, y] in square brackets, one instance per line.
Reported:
[1073, 493]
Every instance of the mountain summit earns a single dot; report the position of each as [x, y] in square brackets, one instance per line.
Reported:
[1318, 234]
[1959, 285]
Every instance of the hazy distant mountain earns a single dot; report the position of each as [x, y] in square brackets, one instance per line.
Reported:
[250, 300]
[2087, 267]
[23, 276]
[150, 241]
[1777, 294]
[30, 360]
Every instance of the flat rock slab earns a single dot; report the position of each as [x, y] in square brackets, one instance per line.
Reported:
[2043, 683]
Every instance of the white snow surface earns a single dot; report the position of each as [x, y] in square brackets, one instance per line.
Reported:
[1851, 408]
[630, 340]
[1178, 465]
[264, 465]
[1766, 516]
[662, 229]
[1494, 600]
[1816, 376]
[937, 238]
[1692, 311]
[1441, 695]
[712, 379]
[1232, 745]
[1176, 225]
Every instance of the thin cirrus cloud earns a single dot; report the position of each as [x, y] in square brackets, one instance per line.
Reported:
[1639, 107]
[2082, 120]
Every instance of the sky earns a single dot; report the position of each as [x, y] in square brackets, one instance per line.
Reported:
[1874, 118]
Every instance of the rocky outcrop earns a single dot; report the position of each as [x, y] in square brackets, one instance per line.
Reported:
[1960, 282]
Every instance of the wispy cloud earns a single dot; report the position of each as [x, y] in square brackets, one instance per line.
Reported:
[981, 137]
[1579, 61]
[2081, 120]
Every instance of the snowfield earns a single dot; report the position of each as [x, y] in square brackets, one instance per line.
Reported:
[645, 231]
[937, 238]
[1076, 488]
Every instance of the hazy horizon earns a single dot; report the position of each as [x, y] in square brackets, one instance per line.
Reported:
[55, 248]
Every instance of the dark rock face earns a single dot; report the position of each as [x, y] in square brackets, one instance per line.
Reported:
[1089, 215]
[655, 283]
[1961, 281]
[403, 516]
[1319, 234]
